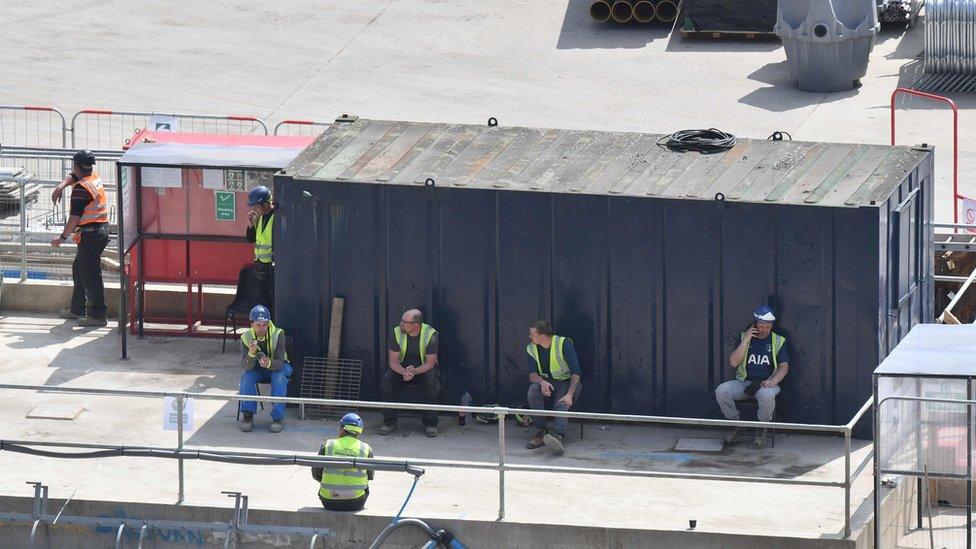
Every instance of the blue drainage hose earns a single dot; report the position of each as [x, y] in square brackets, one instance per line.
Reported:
[437, 538]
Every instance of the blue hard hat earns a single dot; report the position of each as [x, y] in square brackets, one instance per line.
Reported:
[764, 313]
[352, 422]
[258, 195]
[260, 313]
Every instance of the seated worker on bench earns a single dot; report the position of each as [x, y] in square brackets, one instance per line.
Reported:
[265, 360]
[554, 377]
[761, 362]
[412, 363]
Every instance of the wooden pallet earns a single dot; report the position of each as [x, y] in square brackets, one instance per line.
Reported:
[728, 35]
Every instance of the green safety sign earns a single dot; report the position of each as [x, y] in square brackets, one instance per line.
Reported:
[225, 206]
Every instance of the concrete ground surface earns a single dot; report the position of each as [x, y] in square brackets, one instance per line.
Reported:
[40, 349]
[528, 63]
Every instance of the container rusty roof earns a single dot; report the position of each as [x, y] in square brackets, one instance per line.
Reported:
[358, 150]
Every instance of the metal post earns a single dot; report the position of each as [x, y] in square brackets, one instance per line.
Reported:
[235, 521]
[876, 465]
[142, 534]
[969, 466]
[23, 230]
[118, 535]
[123, 278]
[847, 484]
[179, 444]
[501, 466]
[928, 503]
[40, 507]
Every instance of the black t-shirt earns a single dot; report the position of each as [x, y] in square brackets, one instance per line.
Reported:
[80, 197]
[412, 357]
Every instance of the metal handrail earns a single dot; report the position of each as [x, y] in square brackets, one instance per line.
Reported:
[501, 466]
[416, 407]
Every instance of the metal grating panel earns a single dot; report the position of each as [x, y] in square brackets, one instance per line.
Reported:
[332, 378]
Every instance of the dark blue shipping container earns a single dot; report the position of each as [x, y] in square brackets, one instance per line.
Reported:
[651, 260]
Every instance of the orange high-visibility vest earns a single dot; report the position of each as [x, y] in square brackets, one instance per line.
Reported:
[97, 210]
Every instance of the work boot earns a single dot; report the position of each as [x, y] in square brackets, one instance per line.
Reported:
[732, 435]
[67, 314]
[387, 428]
[554, 443]
[761, 438]
[93, 322]
[247, 422]
[536, 441]
[276, 426]
[431, 432]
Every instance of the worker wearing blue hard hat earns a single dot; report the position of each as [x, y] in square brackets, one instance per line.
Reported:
[264, 357]
[345, 488]
[761, 361]
[260, 225]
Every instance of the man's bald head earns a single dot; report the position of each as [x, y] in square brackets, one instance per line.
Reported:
[413, 315]
[411, 321]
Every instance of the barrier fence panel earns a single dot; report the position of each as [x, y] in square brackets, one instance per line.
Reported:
[300, 127]
[31, 126]
[25, 239]
[108, 130]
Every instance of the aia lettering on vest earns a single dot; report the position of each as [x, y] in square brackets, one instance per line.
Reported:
[759, 360]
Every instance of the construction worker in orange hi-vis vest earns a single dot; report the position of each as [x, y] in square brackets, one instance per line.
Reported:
[86, 226]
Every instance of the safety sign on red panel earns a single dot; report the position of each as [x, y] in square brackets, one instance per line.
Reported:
[234, 180]
[225, 206]
[969, 213]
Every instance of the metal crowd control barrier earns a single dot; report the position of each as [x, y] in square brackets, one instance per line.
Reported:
[29, 219]
[33, 126]
[110, 129]
[180, 452]
[300, 127]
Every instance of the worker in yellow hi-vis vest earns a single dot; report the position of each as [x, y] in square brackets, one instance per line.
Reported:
[554, 382]
[260, 221]
[344, 488]
[412, 360]
[761, 361]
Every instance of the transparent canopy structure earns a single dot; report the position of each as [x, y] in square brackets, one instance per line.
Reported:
[920, 432]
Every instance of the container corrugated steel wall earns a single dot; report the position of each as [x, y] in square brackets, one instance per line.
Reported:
[653, 291]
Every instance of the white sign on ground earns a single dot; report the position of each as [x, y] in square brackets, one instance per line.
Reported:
[171, 414]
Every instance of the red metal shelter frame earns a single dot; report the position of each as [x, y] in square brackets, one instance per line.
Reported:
[178, 238]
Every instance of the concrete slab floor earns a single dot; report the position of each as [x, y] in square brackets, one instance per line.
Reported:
[527, 63]
[43, 350]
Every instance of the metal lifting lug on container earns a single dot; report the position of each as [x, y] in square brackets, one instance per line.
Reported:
[827, 42]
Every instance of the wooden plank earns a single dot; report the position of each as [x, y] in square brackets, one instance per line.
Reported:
[335, 329]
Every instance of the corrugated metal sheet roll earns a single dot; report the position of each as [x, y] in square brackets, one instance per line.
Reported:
[950, 36]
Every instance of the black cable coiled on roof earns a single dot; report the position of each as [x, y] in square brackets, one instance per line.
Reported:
[708, 141]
